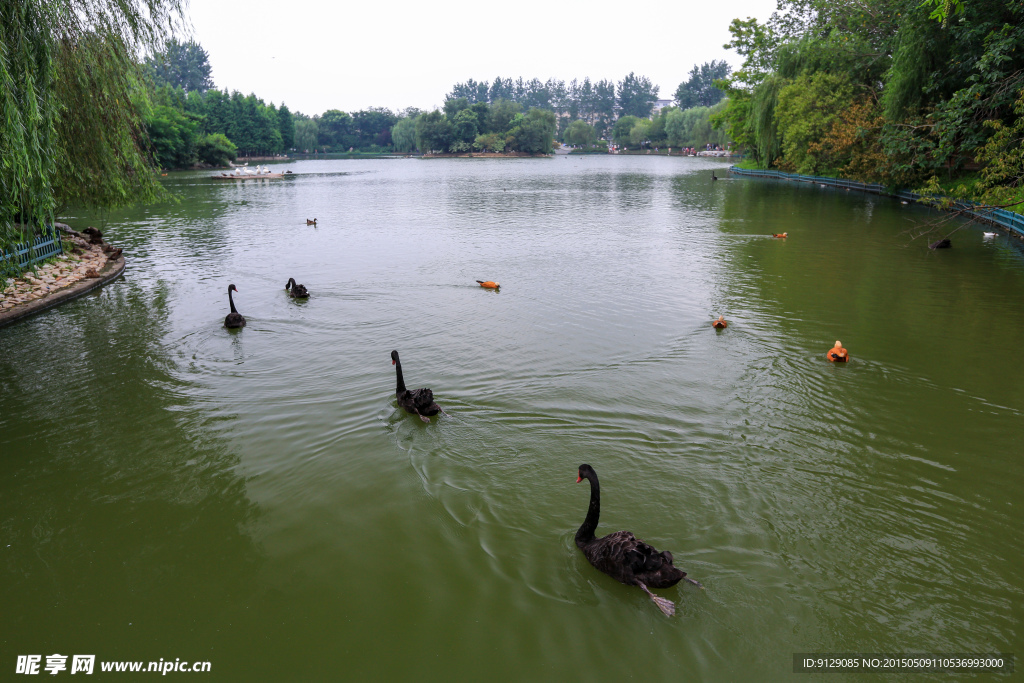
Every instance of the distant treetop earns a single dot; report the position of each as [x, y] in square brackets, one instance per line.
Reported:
[181, 65]
[700, 90]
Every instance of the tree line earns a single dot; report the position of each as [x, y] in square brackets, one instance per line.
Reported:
[518, 115]
[597, 103]
[191, 121]
[905, 93]
[478, 127]
[87, 123]
[188, 120]
[672, 127]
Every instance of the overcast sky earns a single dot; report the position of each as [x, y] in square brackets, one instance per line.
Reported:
[316, 55]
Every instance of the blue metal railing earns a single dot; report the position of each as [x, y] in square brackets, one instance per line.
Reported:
[20, 255]
[1014, 222]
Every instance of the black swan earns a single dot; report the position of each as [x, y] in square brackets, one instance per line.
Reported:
[234, 318]
[623, 556]
[713, 176]
[296, 291]
[419, 402]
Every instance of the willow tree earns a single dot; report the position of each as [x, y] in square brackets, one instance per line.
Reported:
[403, 135]
[764, 127]
[71, 129]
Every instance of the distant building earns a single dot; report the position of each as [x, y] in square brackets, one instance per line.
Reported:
[659, 105]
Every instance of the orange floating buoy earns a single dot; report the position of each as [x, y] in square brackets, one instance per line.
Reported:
[838, 354]
[780, 234]
[489, 284]
[719, 324]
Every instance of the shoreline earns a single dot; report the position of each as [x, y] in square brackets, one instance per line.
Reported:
[486, 155]
[29, 294]
[1009, 221]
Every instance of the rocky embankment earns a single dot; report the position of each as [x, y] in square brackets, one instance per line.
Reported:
[86, 255]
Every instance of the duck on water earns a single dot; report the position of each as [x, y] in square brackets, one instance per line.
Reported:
[623, 556]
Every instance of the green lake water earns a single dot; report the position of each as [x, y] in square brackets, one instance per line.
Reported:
[172, 489]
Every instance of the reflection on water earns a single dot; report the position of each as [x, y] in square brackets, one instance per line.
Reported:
[122, 521]
[169, 488]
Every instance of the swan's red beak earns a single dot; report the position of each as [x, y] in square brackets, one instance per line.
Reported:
[392, 362]
[578, 478]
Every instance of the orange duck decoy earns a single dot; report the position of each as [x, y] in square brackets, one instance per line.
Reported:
[719, 324]
[838, 354]
[780, 234]
[489, 284]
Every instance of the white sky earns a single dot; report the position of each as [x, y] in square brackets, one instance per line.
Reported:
[316, 55]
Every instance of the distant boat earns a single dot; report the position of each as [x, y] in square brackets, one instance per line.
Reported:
[246, 176]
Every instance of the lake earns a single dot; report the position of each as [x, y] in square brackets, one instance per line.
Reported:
[171, 489]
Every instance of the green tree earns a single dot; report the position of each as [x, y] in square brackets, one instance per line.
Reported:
[676, 129]
[286, 126]
[538, 95]
[482, 111]
[453, 107]
[533, 133]
[372, 127]
[657, 134]
[172, 136]
[942, 10]
[335, 129]
[464, 130]
[433, 132]
[268, 135]
[764, 126]
[490, 142]
[637, 96]
[403, 135]
[572, 105]
[181, 65]
[1003, 157]
[216, 107]
[700, 89]
[499, 119]
[805, 112]
[472, 91]
[580, 134]
[693, 127]
[55, 60]
[640, 133]
[307, 134]
[603, 106]
[622, 129]
[756, 43]
[216, 150]
[501, 89]
[734, 118]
